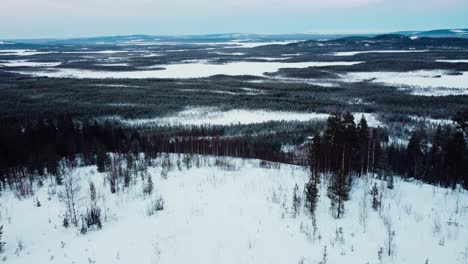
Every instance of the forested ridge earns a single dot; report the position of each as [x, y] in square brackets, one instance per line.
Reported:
[30, 148]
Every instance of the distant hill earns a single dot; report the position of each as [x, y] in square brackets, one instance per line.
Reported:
[438, 33]
[243, 37]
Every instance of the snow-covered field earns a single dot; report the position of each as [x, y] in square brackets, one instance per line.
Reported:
[239, 212]
[185, 70]
[352, 53]
[25, 63]
[197, 116]
[23, 52]
[453, 61]
[424, 82]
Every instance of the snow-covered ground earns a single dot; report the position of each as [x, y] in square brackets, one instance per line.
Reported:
[22, 52]
[423, 82]
[186, 70]
[236, 213]
[197, 116]
[25, 63]
[352, 53]
[453, 61]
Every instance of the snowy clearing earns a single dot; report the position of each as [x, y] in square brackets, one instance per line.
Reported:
[423, 79]
[112, 64]
[98, 52]
[25, 63]
[453, 61]
[352, 53]
[236, 212]
[185, 70]
[198, 116]
[23, 52]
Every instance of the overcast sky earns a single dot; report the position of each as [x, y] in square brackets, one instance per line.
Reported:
[75, 18]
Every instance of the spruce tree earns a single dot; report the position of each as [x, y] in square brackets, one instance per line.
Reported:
[375, 197]
[338, 192]
[149, 185]
[390, 181]
[296, 204]
[101, 158]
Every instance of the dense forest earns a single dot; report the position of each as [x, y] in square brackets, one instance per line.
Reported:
[30, 148]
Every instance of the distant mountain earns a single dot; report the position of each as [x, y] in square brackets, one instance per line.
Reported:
[140, 39]
[438, 33]
[243, 37]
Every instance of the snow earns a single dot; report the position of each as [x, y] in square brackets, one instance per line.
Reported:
[22, 52]
[352, 53]
[268, 58]
[432, 120]
[185, 70]
[453, 61]
[239, 215]
[458, 31]
[198, 116]
[112, 64]
[25, 63]
[228, 54]
[97, 52]
[423, 79]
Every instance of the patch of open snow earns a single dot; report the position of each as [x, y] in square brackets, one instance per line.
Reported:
[432, 120]
[458, 31]
[228, 53]
[258, 44]
[185, 70]
[23, 52]
[199, 116]
[453, 61]
[97, 52]
[112, 64]
[116, 85]
[243, 214]
[424, 79]
[268, 58]
[25, 63]
[352, 53]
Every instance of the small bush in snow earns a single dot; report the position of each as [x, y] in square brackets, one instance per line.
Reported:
[66, 222]
[93, 217]
[154, 206]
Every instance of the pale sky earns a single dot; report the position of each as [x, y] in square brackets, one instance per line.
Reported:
[77, 18]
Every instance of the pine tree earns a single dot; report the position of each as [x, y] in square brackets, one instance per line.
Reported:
[363, 141]
[296, 204]
[375, 197]
[314, 158]
[390, 181]
[101, 158]
[311, 195]
[415, 153]
[338, 192]
[149, 185]
[92, 192]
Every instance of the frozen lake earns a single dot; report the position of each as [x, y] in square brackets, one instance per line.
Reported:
[185, 70]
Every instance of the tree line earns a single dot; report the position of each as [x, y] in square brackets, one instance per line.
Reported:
[29, 148]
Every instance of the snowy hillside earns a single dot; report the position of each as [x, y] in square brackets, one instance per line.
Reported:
[226, 210]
